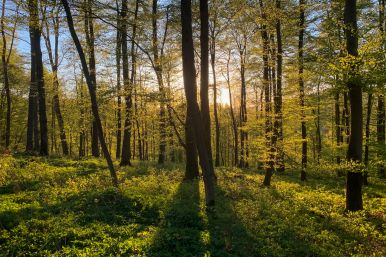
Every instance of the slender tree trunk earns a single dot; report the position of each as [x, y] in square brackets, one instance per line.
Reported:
[337, 127]
[243, 106]
[278, 98]
[216, 120]
[234, 123]
[354, 178]
[92, 90]
[367, 135]
[90, 40]
[53, 54]
[118, 50]
[4, 62]
[204, 73]
[158, 68]
[269, 163]
[381, 98]
[128, 82]
[301, 88]
[189, 75]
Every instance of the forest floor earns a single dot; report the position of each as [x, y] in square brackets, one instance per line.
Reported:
[65, 207]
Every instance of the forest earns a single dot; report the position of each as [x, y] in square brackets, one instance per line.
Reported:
[192, 128]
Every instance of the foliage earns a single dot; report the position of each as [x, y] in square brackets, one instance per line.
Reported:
[66, 207]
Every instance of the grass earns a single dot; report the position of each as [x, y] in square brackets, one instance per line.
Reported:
[65, 207]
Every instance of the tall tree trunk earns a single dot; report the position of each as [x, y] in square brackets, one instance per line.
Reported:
[90, 40]
[204, 74]
[4, 61]
[53, 54]
[381, 98]
[158, 68]
[278, 124]
[367, 135]
[189, 75]
[354, 178]
[128, 85]
[118, 57]
[37, 78]
[243, 105]
[302, 4]
[269, 164]
[213, 65]
[92, 89]
[234, 123]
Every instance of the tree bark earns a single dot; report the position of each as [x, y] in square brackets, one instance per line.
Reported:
[189, 76]
[381, 98]
[302, 3]
[90, 40]
[278, 124]
[37, 79]
[92, 89]
[354, 178]
[118, 58]
[128, 85]
[4, 61]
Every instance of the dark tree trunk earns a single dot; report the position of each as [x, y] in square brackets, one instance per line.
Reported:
[128, 85]
[37, 80]
[243, 106]
[92, 89]
[269, 165]
[191, 169]
[301, 88]
[381, 97]
[118, 49]
[204, 73]
[354, 178]
[367, 135]
[189, 75]
[90, 40]
[278, 98]
[4, 61]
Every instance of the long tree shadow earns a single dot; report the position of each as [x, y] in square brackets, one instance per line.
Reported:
[228, 235]
[181, 231]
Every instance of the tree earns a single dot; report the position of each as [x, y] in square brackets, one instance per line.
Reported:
[354, 154]
[92, 90]
[302, 4]
[37, 102]
[53, 54]
[190, 86]
[5, 61]
[128, 87]
[381, 98]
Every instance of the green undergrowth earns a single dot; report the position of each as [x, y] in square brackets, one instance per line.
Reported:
[66, 207]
